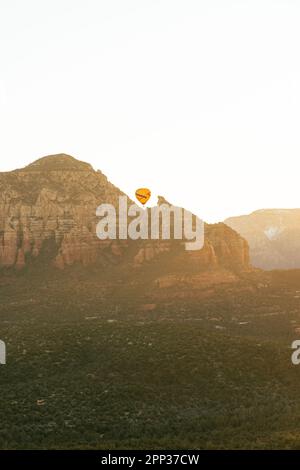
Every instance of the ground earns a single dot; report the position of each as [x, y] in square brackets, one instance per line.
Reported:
[87, 367]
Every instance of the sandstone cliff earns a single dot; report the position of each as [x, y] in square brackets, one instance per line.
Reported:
[48, 212]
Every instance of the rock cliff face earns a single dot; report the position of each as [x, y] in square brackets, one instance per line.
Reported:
[273, 236]
[48, 212]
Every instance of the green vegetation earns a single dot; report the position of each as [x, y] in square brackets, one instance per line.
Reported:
[88, 368]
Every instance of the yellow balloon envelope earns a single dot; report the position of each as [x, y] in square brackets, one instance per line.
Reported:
[143, 195]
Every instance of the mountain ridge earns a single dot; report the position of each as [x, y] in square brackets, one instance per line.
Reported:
[53, 201]
[273, 236]
[61, 161]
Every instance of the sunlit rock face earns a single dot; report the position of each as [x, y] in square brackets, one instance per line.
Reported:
[48, 213]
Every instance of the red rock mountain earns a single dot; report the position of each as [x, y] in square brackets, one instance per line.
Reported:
[273, 236]
[48, 213]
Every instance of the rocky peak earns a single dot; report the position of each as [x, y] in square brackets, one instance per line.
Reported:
[52, 203]
[59, 162]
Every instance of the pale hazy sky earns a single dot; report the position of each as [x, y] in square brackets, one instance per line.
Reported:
[197, 99]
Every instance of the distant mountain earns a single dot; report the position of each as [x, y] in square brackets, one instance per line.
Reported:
[273, 236]
[48, 215]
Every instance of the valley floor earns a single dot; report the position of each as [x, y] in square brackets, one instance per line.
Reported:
[91, 367]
